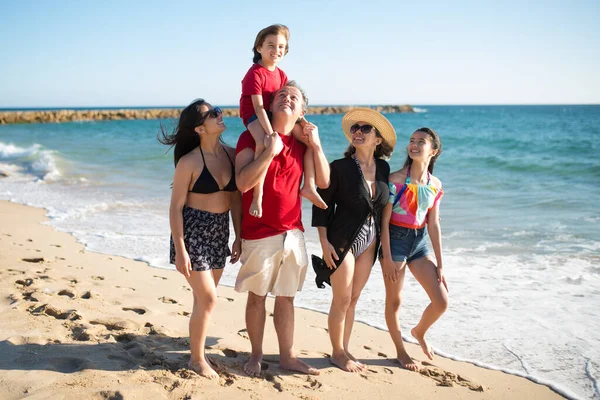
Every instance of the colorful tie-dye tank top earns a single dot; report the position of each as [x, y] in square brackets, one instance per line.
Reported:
[413, 202]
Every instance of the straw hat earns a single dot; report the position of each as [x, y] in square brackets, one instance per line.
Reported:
[372, 117]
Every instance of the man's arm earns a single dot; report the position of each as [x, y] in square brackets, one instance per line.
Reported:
[247, 170]
[311, 133]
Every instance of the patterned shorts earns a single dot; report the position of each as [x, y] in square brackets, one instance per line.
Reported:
[206, 238]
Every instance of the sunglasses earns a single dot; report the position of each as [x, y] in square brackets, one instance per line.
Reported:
[214, 113]
[364, 129]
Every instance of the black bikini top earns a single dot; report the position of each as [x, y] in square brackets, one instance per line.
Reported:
[206, 183]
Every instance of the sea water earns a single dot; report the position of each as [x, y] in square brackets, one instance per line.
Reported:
[520, 220]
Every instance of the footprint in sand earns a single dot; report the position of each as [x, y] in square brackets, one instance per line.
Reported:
[124, 269]
[243, 333]
[230, 353]
[115, 324]
[184, 313]
[98, 278]
[167, 300]
[56, 245]
[379, 353]
[313, 383]
[33, 259]
[108, 395]
[67, 365]
[29, 296]
[274, 379]
[86, 295]
[15, 271]
[229, 299]
[160, 277]
[125, 287]
[446, 378]
[47, 309]
[67, 293]
[137, 310]
[80, 334]
[26, 282]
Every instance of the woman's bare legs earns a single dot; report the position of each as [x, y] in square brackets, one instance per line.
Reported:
[341, 283]
[204, 287]
[362, 270]
[393, 300]
[425, 272]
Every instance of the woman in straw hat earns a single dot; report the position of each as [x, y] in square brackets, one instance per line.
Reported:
[349, 229]
[412, 211]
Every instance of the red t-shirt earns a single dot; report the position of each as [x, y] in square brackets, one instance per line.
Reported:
[259, 80]
[282, 204]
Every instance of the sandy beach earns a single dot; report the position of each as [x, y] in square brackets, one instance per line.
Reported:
[83, 325]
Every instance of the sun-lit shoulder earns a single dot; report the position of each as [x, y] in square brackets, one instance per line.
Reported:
[398, 176]
[436, 182]
[188, 161]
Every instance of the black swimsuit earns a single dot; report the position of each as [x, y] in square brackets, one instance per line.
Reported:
[207, 184]
[206, 234]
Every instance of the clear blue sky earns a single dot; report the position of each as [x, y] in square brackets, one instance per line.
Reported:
[147, 53]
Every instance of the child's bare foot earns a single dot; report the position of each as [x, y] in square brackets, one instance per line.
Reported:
[406, 362]
[346, 363]
[311, 194]
[427, 349]
[202, 368]
[256, 208]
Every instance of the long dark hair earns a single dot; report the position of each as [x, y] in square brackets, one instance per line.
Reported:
[436, 143]
[383, 150]
[276, 29]
[184, 136]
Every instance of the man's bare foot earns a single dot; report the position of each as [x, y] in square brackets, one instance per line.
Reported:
[294, 364]
[311, 194]
[406, 362]
[427, 349]
[346, 363]
[256, 208]
[204, 369]
[252, 367]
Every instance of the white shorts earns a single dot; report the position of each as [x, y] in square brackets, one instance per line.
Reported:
[275, 265]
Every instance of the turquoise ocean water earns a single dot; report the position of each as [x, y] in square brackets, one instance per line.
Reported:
[520, 221]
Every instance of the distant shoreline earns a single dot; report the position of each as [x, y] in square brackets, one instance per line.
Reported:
[68, 115]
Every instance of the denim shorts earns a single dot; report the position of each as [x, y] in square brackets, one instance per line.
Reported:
[408, 244]
[254, 117]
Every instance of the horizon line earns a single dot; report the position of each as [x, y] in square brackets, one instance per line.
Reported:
[17, 108]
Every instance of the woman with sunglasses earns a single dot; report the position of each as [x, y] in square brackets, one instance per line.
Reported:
[204, 192]
[349, 229]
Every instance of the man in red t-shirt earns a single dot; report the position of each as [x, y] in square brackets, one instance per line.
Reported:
[274, 258]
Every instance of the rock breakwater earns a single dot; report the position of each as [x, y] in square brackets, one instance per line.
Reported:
[47, 116]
